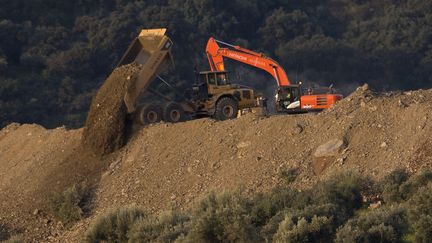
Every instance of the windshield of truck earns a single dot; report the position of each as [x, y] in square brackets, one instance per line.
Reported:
[222, 79]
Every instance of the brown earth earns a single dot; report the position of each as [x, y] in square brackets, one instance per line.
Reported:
[172, 165]
[105, 127]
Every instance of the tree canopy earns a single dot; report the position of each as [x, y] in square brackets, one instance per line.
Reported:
[55, 54]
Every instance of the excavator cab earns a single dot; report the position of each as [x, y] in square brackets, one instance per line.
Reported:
[288, 97]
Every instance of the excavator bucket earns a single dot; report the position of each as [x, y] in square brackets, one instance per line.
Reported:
[152, 50]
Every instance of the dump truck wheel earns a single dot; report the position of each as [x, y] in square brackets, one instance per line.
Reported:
[226, 108]
[173, 112]
[150, 114]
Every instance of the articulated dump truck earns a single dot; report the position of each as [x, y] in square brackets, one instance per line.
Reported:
[211, 95]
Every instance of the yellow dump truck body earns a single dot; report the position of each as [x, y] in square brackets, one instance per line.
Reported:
[152, 50]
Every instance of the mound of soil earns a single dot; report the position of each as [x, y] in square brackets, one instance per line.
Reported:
[105, 127]
[171, 165]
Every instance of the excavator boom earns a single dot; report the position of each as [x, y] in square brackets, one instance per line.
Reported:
[215, 55]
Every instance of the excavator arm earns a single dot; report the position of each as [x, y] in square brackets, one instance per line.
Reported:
[215, 55]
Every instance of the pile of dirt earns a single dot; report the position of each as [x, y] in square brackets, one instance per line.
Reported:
[172, 165]
[105, 127]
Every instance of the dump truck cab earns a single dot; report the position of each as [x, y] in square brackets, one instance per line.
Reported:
[212, 88]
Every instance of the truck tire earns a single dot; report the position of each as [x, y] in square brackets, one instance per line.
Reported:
[173, 112]
[150, 114]
[226, 108]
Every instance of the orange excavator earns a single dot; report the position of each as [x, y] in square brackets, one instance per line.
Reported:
[288, 97]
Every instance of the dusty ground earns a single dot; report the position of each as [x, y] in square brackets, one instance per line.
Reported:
[171, 165]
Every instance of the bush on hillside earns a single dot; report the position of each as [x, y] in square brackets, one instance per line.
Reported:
[222, 218]
[414, 183]
[344, 191]
[331, 211]
[420, 214]
[379, 225]
[391, 183]
[298, 222]
[267, 205]
[168, 227]
[70, 205]
[15, 239]
[315, 230]
[115, 225]
[399, 187]
[288, 174]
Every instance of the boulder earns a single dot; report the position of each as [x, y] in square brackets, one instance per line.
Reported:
[326, 154]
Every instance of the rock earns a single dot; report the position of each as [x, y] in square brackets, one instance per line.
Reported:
[363, 88]
[341, 160]
[383, 145]
[402, 104]
[326, 154]
[36, 212]
[243, 144]
[297, 129]
[375, 205]
[331, 148]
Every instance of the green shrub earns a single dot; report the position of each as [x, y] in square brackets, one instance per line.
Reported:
[222, 218]
[335, 199]
[398, 187]
[166, 228]
[302, 230]
[414, 183]
[288, 174]
[267, 205]
[342, 190]
[391, 183]
[420, 214]
[295, 215]
[269, 230]
[379, 225]
[281, 215]
[15, 239]
[114, 226]
[70, 205]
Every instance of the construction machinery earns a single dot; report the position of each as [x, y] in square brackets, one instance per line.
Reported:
[212, 94]
[288, 97]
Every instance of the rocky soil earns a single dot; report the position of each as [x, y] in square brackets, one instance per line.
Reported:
[172, 165]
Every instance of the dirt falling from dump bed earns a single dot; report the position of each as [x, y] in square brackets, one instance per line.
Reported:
[104, 130]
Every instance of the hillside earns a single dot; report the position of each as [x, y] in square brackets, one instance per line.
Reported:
[55, 55]
[173, 165]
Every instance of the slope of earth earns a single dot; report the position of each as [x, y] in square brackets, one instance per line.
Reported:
[166, 162]
[172, 165]
[35, 162]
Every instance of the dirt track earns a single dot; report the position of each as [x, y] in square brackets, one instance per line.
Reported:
[168, 165]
